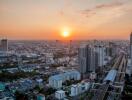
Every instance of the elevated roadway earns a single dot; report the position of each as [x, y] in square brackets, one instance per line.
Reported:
[100, 94]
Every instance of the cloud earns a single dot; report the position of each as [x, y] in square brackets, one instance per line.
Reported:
[61, 13]
[101, 14]
[93, 11]
[88, 12]
[115, 4]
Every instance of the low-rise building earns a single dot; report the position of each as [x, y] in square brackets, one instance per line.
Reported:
[60, 94]
[79, 88]
[2, 87]
[57, 80]
[93, 75]
[40, 97]
[74, 90]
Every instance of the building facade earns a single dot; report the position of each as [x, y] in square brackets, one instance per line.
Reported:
[88, 59]
[60, 94]
[57, 80]
[101, 55]
[4, 45]
[79, 88]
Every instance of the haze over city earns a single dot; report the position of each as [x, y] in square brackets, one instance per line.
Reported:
[65, 49]
[53, 19]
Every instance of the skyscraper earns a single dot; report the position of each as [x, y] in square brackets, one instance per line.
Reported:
[101, 54]
[4, 45]
[82, 59]
[113, 49]
[92, 59]
[88, 59]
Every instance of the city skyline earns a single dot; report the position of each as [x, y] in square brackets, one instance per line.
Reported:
[40, 20]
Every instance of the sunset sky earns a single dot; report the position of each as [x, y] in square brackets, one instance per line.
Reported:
[83, 19]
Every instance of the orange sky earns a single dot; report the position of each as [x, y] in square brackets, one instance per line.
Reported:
[45, 19]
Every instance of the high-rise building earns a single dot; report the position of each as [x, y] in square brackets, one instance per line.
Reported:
[88, 59]
[4, 45]
[101, 54]
[113, 49]
[107, 51]
[131, 48]
[82, 59]
[92, 59]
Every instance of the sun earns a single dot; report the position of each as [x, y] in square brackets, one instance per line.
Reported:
[66, 34]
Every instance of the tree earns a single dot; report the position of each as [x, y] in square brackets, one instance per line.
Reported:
[21, 96]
